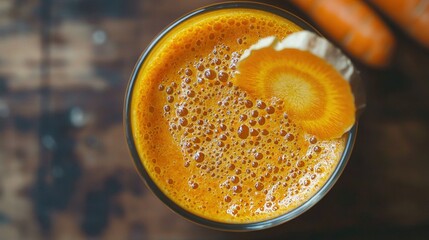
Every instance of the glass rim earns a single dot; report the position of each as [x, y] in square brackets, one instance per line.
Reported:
[225, 226]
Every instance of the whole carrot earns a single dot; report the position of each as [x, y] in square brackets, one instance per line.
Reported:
[411, 15]
[354, 26]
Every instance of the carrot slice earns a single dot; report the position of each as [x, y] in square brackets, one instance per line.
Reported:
[315, 94]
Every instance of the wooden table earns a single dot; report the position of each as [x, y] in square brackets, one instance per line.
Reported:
[65, 171]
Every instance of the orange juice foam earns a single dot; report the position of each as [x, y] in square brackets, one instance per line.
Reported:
[208, 145]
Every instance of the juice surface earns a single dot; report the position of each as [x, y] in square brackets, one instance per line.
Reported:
[209, 146]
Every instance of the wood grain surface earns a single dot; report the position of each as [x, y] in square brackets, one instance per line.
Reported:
[65, 170]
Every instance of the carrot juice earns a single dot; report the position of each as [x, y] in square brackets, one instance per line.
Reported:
[207, 145]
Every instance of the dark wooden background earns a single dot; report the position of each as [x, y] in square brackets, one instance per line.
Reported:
[65, 171]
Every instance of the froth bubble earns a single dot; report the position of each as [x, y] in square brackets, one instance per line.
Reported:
[190, 93]
[194, 185]
[210, 74]
[222, 137]
[223, 76]
[243, 131]
[234, 179]
[237, 189]
[199, 156]
[254, 113]
[261, 120]
[182, 111]
[289, 137]
[231, 167]
[254, 132]
[183, 122]
[260, 104]
[259, 186]
[166, 108]
[317, 149]
[243, 117]
[285, 116]
[188, 72]
[270, 110]
[258, 156]
[170, 99]
[248, 103]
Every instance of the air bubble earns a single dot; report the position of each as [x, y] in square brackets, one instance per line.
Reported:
[243, 131]
[183, 122]
[289, 137]
[270, 110]
[258, 156]
[243, 117]
[317, 149]
[260, 104]
[248, 103]
[199, 157]
[234, 179]
[231, 167]
[261, 120]
[254, 113]
[188, 72]
[222, 137]
[254, 132]
[210, 74]
[237, 189]
[223, 76]
[194, 185]
[305, 182]
[167, 108]
[182, 111]
[259, 186]
[170, 99]
[190, 93]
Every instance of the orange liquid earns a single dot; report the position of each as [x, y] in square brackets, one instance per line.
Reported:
[211, 148]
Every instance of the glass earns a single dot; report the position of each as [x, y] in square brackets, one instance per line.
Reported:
[170, 203]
